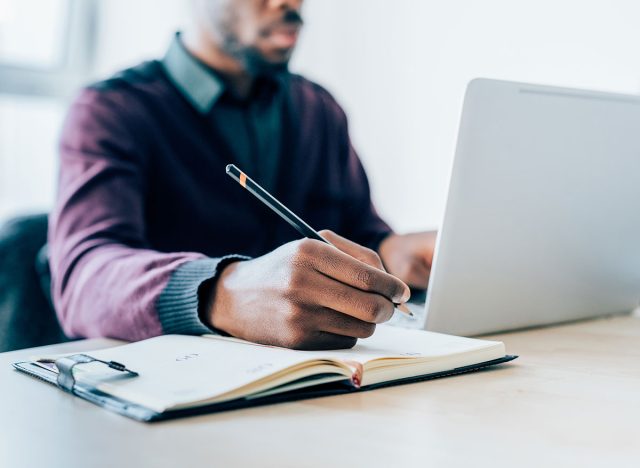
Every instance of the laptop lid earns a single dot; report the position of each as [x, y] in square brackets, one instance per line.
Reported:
[542, 222]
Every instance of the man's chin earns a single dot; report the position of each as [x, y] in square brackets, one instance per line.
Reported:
[268, 69]
[260, 60]
[268, 63]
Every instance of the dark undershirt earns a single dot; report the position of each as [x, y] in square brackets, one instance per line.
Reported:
[252, 130]
[251, 127]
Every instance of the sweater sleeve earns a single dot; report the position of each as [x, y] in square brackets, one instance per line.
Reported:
[106, 280]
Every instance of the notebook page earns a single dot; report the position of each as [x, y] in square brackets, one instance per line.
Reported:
[392, 342]
[389, 341]
[177, 369]
[437, 352]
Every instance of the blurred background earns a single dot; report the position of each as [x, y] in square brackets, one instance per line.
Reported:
[399, 68]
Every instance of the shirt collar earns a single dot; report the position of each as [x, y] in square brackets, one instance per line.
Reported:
[199, 85]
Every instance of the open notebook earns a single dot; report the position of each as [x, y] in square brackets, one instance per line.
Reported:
[180, 375]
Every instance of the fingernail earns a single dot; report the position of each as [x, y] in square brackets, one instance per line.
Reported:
[406, 295]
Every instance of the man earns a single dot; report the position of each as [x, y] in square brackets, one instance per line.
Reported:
[150, 236]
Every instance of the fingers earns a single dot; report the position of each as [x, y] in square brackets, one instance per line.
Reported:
[330, 321]
[342, 267]
[366, 307]
[409, 256]
[315, 327]
[324, 340]
[357, 251]
[418, 275]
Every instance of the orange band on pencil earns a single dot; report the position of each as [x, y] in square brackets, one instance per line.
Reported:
[243, 179]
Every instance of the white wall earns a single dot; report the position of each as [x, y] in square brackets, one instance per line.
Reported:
[29, 129]
[399, 67]
[130, 31]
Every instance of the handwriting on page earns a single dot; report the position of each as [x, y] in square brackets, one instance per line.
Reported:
[186, 357]
[259, 368]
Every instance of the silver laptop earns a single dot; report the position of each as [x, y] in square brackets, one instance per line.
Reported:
[542, 223]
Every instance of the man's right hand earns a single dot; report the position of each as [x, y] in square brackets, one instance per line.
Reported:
[306, 295]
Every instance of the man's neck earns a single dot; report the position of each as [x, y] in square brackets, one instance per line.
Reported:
[234, 73]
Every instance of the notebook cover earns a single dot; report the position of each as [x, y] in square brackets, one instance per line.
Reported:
[140, 413]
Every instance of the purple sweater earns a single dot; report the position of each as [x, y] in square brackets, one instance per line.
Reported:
[145, 212]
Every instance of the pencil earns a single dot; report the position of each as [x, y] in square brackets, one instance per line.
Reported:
[285, 213]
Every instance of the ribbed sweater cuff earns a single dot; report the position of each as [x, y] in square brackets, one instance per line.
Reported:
[178, 303]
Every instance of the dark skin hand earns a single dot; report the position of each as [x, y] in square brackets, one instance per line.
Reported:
[306, 295]
[409, 256]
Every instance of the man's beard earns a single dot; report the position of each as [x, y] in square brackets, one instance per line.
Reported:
[251, 58]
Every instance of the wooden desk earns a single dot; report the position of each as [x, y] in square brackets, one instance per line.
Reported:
[572, 399]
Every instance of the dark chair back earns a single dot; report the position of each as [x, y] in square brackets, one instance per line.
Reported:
[27, 317]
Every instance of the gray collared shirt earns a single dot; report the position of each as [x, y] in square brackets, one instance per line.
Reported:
[251, 128]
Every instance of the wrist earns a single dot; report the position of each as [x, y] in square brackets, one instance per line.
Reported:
[217, 306]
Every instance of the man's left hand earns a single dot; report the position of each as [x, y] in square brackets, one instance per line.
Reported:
[409, 256]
